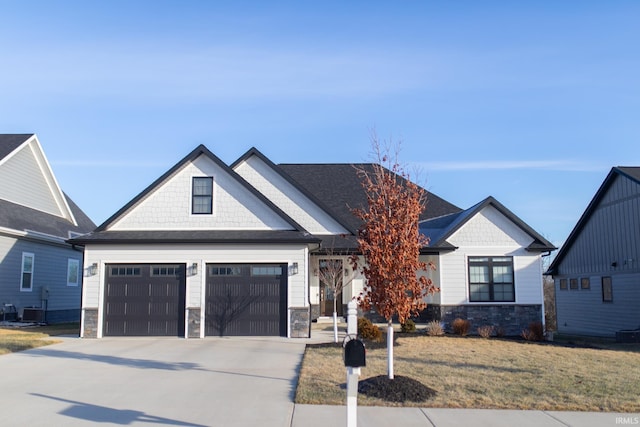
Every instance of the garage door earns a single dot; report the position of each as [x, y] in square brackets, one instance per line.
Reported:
[144, 300]
[246, 299]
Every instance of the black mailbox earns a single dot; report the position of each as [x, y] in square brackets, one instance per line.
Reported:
[354, 353]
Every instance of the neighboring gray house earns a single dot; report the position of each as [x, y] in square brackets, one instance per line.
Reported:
[597, 271]
[210, 249]
[40, 274]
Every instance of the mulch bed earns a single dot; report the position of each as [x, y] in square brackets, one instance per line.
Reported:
[399, 389]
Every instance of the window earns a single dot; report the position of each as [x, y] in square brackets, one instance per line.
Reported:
[585, 283]
[165, 270]
[491, 279]
[225, 270]
[26, 280]
[563, 285]
[73, 272]
[607, 290]
[202, 195]
[266, 270]
[573, 283]
[122, 270]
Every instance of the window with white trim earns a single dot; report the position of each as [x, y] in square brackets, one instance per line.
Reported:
[26, 279]
[202, 195]
[491, 279]
[73, 272]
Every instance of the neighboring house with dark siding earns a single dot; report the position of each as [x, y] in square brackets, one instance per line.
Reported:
[40, 273]
[211, 249]
[597, 270]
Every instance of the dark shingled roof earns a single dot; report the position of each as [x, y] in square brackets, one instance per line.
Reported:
[9, 142]
[631, 172]
[22, 218]
[338, 188]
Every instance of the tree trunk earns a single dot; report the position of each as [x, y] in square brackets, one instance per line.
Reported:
[390, 349]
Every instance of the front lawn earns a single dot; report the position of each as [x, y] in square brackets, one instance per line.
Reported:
[472, 372]
[25, 338]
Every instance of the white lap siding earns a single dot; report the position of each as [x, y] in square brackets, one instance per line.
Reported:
[490, 233]
[93, 291]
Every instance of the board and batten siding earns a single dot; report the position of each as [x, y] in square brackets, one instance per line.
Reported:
[50, 271]
[609, 243]
[583, 312]
[288, 198]
[93, 290]
[169, 206]
[608, 246]
[490, 233]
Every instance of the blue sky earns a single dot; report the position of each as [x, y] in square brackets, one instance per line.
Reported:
[530, 102]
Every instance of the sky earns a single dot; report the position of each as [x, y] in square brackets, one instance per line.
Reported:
[529, 102]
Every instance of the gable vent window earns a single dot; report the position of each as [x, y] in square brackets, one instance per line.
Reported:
[202, 195]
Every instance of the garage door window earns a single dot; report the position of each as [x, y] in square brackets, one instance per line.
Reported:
[266, 270]
[165, 270]
[124, 271]
[225, 270]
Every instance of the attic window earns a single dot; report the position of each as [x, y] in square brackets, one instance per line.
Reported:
[202, 195]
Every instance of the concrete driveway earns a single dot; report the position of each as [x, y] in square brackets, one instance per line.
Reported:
[152, 381]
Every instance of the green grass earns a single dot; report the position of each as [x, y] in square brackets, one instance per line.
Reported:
[471, 372]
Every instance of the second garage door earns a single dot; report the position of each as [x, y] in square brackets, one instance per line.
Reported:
[144, 299]
[246, 299]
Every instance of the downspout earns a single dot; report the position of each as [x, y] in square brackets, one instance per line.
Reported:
[307, 288]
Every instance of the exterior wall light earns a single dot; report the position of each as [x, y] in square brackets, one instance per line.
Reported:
[93, 269]
[194, 269]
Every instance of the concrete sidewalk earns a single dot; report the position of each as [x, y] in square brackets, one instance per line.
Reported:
[371, 416]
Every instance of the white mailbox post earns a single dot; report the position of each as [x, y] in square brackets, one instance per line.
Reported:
[352, 372]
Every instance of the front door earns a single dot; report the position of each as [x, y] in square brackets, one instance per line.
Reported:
[330, 274]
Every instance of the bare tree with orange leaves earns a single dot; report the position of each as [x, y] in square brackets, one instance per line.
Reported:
[390, 242]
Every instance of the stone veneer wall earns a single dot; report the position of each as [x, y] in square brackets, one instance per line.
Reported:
[193, 330]
[315, 311]
[90, 326]
[513, 319]
[300, 322]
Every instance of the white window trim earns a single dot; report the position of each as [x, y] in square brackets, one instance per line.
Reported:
[70, 263]
[22, 272]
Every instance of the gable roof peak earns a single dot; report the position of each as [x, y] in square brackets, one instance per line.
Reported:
[629, 172]
[445, 226]
[189, 158]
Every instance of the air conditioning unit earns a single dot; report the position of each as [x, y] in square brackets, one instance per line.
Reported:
[32, 314]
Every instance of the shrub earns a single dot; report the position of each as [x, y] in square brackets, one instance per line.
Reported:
[535, 332]
[434, 329]
[485, 331]
[368, 331]
[500, 332]
[408, 326]
[461, 326]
